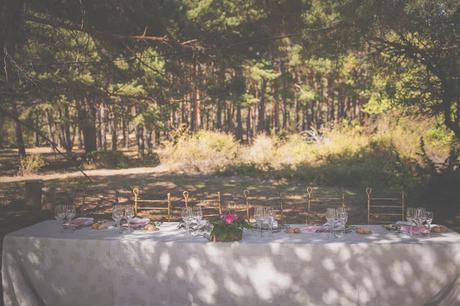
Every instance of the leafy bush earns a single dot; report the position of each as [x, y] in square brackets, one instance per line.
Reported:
[31, 164]
[204, 151]
[105, 159]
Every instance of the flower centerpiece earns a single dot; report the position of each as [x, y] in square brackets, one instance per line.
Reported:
[229, 227]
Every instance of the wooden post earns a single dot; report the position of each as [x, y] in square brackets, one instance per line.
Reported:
[185, 194]
[169, 206]
[219, 202]
[246, 198]
[403, 204]
[136, 198]
[368, 191]
[33, 194]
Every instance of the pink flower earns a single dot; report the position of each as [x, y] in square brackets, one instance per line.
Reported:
[229, 218]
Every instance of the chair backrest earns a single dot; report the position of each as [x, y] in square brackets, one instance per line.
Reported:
[293, 208]
[211, 207]
[318, 200]
[238, 204]
[164, 206]
[385, 209]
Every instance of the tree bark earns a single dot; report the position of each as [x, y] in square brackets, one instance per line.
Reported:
[19, 136]
[239, 123]
[261, 113]
[113, 129]
[87, 118]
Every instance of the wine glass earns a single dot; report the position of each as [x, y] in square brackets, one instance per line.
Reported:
[129, 215]
[331, 215]
[269, 217]
[410, 217]
[259, 214]
[70, 213]
[187, 216]
[60, 215]
[420, 216]
[117, 215]
[429, 220]
[342, 217]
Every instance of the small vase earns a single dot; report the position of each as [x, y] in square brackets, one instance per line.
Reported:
[229, 237]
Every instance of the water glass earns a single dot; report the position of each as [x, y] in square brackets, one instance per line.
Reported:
[429, 220]
[117, 215]
[60, 215]
[331, 216]
[70, 213]
[410, 217]
[187, 217]
[129, 215]
[259, 215]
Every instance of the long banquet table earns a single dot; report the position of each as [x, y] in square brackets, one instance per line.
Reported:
[42, 266]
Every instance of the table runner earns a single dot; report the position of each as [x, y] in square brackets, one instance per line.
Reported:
[44, 267]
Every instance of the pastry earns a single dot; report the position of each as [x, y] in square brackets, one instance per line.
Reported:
[96, 226]
[363, 230]
[293, 230]
[439, 229]
[150, 228]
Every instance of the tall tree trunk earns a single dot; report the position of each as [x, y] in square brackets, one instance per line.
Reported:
[125, 127]
[37, 128]
[87, 119]
[103, 127]
[261, 113]
[284, 94]
[239, 123]
[276, 108]
[50, 124]
[19, 135]
[113, 129]
[140, 140]
[149, 142]
[99, 128]
[67, 136]
[248, 125]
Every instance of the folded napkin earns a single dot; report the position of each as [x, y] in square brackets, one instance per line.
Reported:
[81, 222]
[138, 222]
[415, 229]
[313, 228]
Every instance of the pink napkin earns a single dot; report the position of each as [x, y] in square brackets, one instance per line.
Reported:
[312, 228]
[82, 221]
[415, 229]
[138, 222]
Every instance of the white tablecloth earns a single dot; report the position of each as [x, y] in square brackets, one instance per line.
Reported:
[44, 267]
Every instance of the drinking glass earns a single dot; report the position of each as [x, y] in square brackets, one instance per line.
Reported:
[187, 216]
[198, 213]
[410, 217]
[342, 217]
[60, 215]
[269, 218]
[429, 220]
[117, 215]
[420, 216]
[259, 215]
[129, 215]
[331, 215]
[70, 213]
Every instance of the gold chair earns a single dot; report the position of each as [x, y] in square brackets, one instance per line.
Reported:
[239, 205]
[381, 210]
[317, 201]
[293, 208]
[155, 205]
[211, 207]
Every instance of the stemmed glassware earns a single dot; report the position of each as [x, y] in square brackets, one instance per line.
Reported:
[60, 215]
[342, 217]
[331, 216]
[129, 215]
[259, 215]
[410, 217]
[117, 214]
[187, 216]
[429, 220]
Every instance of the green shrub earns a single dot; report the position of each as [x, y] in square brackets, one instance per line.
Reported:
[105, 159]
[204, 151]
[31, 164]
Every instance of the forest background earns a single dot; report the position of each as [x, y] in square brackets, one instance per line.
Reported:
[338, 93]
